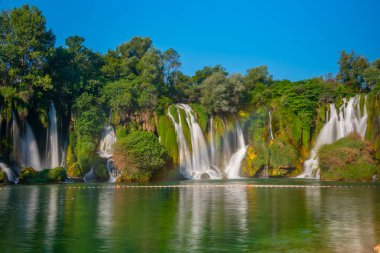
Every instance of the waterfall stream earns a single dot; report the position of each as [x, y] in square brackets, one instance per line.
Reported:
[11, 175]
[106, 151]
[201, 161]
[53, 151]
[339, 123]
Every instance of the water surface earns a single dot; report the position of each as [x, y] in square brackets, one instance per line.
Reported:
[97, 218]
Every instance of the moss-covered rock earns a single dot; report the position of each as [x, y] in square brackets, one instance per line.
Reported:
[100, 171]
[349, 159]
[3, 177]
[168, 137]
[74, 170]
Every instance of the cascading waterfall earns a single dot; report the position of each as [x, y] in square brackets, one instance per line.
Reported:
[11, 175]
[202, 161]
[338, 125]
[53, 151]
[90, 176]
[232, 170]
[25, 150]
[265, 173]
[270, 126]
[106, 151]
[30, 153]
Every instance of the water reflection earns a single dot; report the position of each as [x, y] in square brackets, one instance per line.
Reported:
[63, 219]
[51, 218]
[207, 215]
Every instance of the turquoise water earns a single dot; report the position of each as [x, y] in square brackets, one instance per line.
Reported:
[216, 218]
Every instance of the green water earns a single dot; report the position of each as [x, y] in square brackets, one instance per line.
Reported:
[63, 218]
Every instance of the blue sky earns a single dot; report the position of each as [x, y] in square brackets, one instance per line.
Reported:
[295, 39]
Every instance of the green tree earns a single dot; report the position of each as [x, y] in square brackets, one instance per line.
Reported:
[221, 94]
[351, 69]
[171, 66]
[25, 45]
[372, 74]
[203, 74]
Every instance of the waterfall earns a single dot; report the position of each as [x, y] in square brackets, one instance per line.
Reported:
[201, 162]
[106, 142]
[30, 153]
[338, 124]
[106, 151]
[11, 175]
[233, 168]
[53, 151]
[16, 140]
[90, 176]
[270, 126]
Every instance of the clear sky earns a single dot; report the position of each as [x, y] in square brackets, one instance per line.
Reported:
[295, 39]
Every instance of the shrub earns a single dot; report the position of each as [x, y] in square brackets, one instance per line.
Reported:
[139, 156]
[349, 158]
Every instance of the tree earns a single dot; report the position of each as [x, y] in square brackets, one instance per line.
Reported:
[372, 74]
[221, 94]
[171, 66]
[206, 72]
[351, 69]
[120, 96]
[25, 45]
[132, 52]
[257, 75]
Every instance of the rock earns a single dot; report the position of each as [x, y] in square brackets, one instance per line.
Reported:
[205, 176]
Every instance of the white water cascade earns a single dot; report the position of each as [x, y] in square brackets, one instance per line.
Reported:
[201, 161]
[30, 152]
[53, 151]
[11, 175]
[339, 124]
[106, 151]
[233, 168]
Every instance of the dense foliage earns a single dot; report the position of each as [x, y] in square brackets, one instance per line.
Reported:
[139, 155]
[349, 158]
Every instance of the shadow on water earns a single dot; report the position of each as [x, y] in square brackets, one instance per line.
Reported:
[100, 218]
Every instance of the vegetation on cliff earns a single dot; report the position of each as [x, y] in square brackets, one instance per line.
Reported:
[348, 159]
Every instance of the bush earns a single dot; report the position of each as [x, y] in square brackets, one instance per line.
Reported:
[57, 174]
[30, 176]
[349, 158]
[139, 156]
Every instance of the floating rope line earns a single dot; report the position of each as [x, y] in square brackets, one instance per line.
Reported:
[200, 186]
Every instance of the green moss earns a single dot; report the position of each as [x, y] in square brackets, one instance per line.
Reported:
[185, 128]
[349, 158]
[74, 170]
[202, 116]
[283, 154]
[373, 126]
[3, 177]
[173, 111]
[168, 137]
